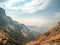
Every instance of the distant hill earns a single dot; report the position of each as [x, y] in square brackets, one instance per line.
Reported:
[15, 32]
[52, 37]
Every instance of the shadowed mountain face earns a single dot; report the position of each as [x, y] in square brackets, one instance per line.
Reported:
[52, 37]
[15, 32]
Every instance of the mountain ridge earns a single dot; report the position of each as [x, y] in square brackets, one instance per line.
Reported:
[52, 37]
[15, 32]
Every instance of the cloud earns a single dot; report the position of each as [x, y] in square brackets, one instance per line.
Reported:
[57, 15]
[1, 5]
[35, 5]
[32, 21]
[9, 3]
[28, 7]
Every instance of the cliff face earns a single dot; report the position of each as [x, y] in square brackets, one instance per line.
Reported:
[52, 37]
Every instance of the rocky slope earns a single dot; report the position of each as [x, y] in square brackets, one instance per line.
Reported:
[52, 37]
[16, 32]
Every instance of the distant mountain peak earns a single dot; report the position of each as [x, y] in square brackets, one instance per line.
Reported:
[2, 12]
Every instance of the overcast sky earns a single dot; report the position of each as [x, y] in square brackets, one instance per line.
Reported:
[32, 12]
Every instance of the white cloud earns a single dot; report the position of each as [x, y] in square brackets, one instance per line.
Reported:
[28, 7]
[35, 5]
[8, 4]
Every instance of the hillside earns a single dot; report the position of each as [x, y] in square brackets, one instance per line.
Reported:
[15, 32]
[52, 37]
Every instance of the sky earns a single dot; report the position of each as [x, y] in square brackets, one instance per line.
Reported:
[32, 12]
